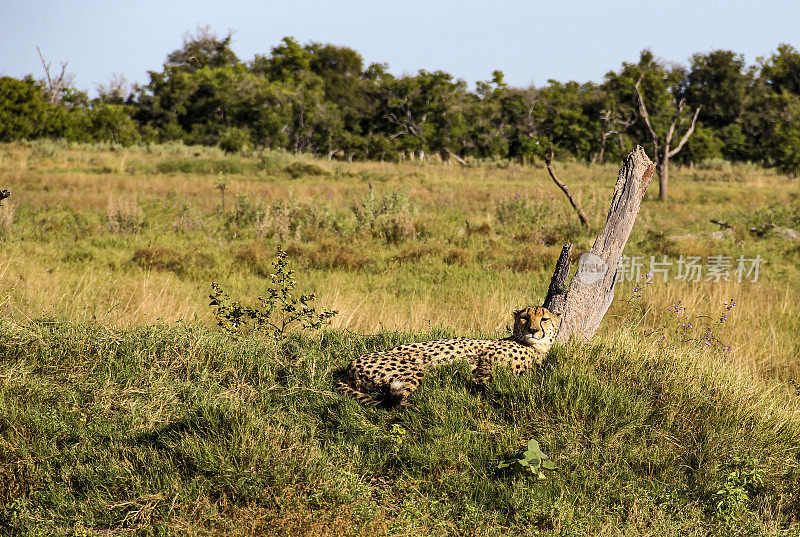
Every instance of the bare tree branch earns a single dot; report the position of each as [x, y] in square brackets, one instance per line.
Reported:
[55, 85]
[454, 156]
[643, 111]
[46, 67]
[552, 171]
[689, 132]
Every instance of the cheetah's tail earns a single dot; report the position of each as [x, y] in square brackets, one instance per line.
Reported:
[361, 397]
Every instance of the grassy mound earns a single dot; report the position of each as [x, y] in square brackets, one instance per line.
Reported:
[167, 429]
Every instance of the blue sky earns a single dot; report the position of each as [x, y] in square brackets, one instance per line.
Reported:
[530, 42]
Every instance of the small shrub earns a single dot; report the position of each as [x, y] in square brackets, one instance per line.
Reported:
[159, 258]
[124, 216]
[298, 169]
[656, 241]
[714, 163]
[319, 216]
[187, 220]
[523, 210]
[245, 212]
[781, 213]
[278, 311]
[234, 139]
[744, 479]
[46, 148]
[273, 161]
[281, 221]
[396, 228]
[65, 222]
[388, 217]
[172, 148]
[77, 254]
[458, 256]
[222, 185]
[374, 177]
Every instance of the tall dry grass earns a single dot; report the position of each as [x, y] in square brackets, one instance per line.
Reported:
[474, 242]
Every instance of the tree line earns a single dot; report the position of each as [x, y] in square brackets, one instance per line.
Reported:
[322, 99]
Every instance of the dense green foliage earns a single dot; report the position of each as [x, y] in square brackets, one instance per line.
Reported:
[322, 99]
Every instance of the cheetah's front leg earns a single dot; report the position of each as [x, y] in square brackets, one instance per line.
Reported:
[483, 370]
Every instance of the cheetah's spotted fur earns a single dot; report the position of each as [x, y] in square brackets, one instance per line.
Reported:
[397, 372]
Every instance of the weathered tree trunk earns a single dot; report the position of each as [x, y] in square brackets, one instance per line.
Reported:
[592, 288]
[557, 292]
[455, 157]
[663, 177]
[599, 159]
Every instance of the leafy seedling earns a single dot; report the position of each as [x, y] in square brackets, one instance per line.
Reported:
[277, 312]
[531, 461]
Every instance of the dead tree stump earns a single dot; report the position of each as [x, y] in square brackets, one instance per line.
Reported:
[557, 292]
[584, 303]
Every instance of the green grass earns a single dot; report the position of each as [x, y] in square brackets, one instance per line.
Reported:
[128, 412]
[161, 430]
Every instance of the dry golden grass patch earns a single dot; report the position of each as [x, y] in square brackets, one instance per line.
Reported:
[446, 263]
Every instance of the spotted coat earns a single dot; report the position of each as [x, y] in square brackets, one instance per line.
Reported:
[397, 372]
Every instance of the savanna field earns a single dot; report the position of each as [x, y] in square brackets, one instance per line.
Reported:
[125, 409]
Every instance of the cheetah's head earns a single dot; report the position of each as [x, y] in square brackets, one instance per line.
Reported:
[535, 326]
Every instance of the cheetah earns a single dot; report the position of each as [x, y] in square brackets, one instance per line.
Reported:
[397, 372]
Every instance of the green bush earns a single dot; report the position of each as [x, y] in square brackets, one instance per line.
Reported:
[298, 169]
[245, 212]
[112, 123]
[234, 139]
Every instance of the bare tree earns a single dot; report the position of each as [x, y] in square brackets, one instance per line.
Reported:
[552, 171]
[116, 90]
[666, 151]
[56, 84]
[584, 302]
[614, 122]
